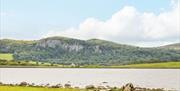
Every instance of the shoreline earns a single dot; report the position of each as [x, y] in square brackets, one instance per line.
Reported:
[163, 65]
[69, 87]
[90, 67]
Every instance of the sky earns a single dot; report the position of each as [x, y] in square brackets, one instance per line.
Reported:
[145, 23]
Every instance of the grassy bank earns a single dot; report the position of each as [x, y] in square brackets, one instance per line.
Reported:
[28, 88]
[20, 88]
[151, 65]
[6, 56]
[7, 61]
[163, 65]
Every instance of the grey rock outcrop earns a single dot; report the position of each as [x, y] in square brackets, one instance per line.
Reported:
[54, 43]
[128, 87]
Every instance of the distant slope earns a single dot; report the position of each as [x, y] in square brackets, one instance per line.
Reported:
[175, 46]
[67, 50]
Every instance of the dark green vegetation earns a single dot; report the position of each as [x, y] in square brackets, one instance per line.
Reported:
[61, 50]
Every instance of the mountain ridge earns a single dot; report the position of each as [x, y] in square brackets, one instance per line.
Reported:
[89, 40]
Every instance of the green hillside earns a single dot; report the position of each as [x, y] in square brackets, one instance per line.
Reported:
[63, 50]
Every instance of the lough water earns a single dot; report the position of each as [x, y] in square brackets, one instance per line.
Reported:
[153, 78]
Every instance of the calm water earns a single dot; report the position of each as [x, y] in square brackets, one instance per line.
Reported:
[160, 78]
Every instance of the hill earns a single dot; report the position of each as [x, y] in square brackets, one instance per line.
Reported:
[175, 46]
[94, 51]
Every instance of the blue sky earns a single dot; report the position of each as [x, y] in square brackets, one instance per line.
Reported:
[31, 19]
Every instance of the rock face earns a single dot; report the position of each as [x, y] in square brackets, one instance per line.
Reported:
[67, 85]
[57, 86]
[55, 43]
[128, 87]
[49, 43]
[90, 87]
[97, 49]
[23, 84]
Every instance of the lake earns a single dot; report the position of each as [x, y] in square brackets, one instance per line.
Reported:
[153, 78]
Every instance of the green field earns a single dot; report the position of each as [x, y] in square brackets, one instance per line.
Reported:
[19, 88]
[151, 65]
[26, 88]
[6, 56]
[7, 60]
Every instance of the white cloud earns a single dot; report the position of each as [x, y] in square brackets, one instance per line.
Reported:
[129, 26]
